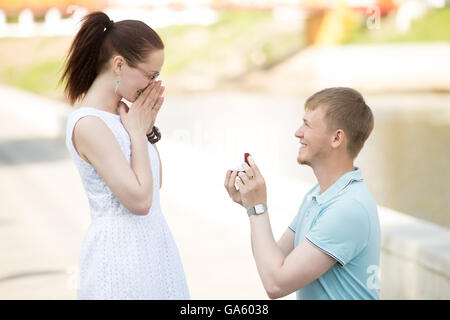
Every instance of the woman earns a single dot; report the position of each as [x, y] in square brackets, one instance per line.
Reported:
[128, 251]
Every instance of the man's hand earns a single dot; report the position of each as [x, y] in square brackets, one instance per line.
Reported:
[231, 189]
[252, 187]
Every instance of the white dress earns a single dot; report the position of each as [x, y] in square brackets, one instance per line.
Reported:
[123, 255]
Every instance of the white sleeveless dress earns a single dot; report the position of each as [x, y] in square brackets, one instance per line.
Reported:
[123, 255]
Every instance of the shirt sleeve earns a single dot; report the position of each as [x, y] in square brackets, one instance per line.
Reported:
[293, 225]
[341, 231]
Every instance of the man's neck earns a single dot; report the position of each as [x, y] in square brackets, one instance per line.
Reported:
[328, 173]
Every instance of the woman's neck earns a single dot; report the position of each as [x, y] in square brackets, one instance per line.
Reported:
[101, 96]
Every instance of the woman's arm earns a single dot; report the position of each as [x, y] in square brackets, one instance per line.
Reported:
[160, 167]
[131, 185]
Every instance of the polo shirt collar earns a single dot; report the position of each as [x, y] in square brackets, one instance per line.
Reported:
[339, 185]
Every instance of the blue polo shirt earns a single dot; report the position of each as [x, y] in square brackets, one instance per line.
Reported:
[343, 223]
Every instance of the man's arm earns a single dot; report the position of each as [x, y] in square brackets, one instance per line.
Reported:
[286, 242]
[282, 275]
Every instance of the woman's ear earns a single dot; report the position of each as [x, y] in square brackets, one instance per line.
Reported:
[118, 63]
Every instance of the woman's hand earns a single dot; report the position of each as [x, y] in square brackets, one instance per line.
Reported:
[141, 115]
[150, 129]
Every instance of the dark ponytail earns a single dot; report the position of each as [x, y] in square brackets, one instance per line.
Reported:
[96, 42]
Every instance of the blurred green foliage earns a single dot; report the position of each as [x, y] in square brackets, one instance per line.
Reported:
[38, 77]
[238, 42]
[249, 39]
[236, 35]
[433, 26]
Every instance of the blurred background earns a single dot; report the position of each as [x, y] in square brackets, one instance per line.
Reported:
[237, 74]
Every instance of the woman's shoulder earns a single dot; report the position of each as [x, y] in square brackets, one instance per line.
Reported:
[92, 116]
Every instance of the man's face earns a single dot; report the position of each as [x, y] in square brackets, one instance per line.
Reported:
[315, 140]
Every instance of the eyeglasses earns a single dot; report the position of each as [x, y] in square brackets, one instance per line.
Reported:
[150, 76]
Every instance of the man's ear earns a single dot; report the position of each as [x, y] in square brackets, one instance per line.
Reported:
[338, 138]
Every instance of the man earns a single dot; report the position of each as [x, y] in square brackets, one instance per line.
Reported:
[331, 250]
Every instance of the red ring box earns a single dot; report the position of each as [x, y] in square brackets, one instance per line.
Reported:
[240, 169]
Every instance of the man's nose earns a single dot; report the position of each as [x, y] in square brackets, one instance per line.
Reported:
[299, 133]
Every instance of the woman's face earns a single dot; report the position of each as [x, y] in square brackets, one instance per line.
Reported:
[135, 80]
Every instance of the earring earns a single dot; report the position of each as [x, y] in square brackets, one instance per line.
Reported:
[117, 85]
